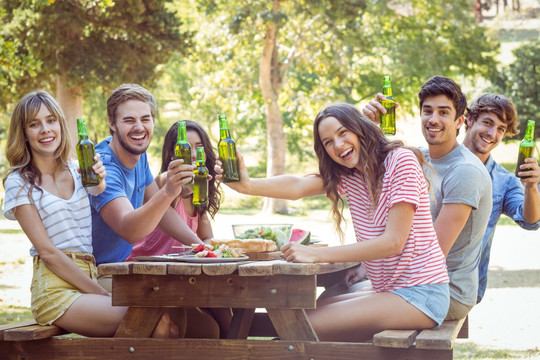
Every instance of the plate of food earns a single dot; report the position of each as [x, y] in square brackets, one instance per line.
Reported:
[201, 253]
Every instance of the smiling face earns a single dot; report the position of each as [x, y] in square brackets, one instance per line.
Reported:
[43, 133]
[439, 125]
[484, 134]
[133, 126]
[340, 143]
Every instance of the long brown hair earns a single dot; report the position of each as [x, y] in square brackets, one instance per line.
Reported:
[374, 148]
[18, 152]
[167, 153]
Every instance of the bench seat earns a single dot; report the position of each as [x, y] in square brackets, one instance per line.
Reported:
[28, 330]
[442, 338]
[31, 341]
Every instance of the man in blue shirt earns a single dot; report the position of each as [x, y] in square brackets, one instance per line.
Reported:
[489, 119]
[133, 205]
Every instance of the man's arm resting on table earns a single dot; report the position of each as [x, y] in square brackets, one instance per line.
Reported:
[449, 223]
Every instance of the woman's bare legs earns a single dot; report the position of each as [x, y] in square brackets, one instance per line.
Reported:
[92, 315]
[359, 318]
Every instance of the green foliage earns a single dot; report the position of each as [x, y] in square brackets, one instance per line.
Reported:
[96, 45]
[520, 81]
[334, 50]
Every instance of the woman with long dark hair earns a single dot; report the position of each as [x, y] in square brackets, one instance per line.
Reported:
[388, 198]
[196, 217]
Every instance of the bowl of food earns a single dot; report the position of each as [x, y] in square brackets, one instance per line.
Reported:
[279, 233]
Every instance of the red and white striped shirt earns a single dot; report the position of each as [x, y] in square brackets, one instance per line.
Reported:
[422, 260]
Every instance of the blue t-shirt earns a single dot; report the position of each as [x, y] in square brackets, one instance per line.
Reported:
[121, 182]
[508, 198]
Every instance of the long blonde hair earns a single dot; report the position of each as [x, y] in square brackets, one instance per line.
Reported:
[18, 152]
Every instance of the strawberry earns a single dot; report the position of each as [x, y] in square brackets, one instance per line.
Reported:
[199, 248]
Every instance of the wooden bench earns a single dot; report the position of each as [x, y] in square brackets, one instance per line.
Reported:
[27, 340]
[442, 338]
[28, 330]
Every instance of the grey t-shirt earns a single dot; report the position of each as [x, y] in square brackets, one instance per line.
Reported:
[461, 178]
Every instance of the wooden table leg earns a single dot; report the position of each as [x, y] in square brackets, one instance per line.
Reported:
[292, 324]
[241, 323]
[139, 322]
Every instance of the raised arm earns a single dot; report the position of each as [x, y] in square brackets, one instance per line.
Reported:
[372, 109]
[288, 187]
[99, 169]
[134, 224]
[531, 202]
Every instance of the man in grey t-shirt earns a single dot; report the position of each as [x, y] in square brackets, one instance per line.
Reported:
[461, 187]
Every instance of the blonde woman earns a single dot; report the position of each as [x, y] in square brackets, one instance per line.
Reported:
[45, 195]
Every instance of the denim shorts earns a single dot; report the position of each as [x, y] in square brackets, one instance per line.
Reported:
[431, 299]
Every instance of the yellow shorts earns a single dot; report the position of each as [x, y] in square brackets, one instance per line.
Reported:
[51, 295]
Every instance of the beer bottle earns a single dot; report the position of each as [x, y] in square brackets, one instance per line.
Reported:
[85, 153]
[388, 120]
[227, 151]
[526, 146]
[200, 182]
[182, 149]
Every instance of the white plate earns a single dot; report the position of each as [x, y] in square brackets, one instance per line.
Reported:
[189, 258]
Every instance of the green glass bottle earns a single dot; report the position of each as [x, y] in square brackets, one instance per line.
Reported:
[227, 151]
[526, 146]
[388, 120]
[182, 149]
[85, 154]
[200, 182]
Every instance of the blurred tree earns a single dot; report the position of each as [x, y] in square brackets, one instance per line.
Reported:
[520, 81]
[84, 45]
[272, 64]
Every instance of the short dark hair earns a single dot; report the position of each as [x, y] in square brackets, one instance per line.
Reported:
[500, 105]
[440, 85]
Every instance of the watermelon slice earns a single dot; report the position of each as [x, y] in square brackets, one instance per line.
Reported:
[301, 236]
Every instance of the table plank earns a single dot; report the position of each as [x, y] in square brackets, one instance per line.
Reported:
[184, 269]
[122, 268]
[257, 268]
[280, 291]
[220, 268]
[152, 268]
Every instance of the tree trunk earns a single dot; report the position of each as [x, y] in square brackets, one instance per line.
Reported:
[71, 101]
[271, 82]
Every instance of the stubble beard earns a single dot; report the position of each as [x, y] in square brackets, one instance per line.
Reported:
[131, 149]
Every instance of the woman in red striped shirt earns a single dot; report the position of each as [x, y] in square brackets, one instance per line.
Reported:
[388, 198]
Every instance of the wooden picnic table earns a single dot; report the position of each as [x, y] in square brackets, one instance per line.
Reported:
[284, 289]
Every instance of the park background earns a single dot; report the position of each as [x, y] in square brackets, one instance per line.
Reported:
[271, 66]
